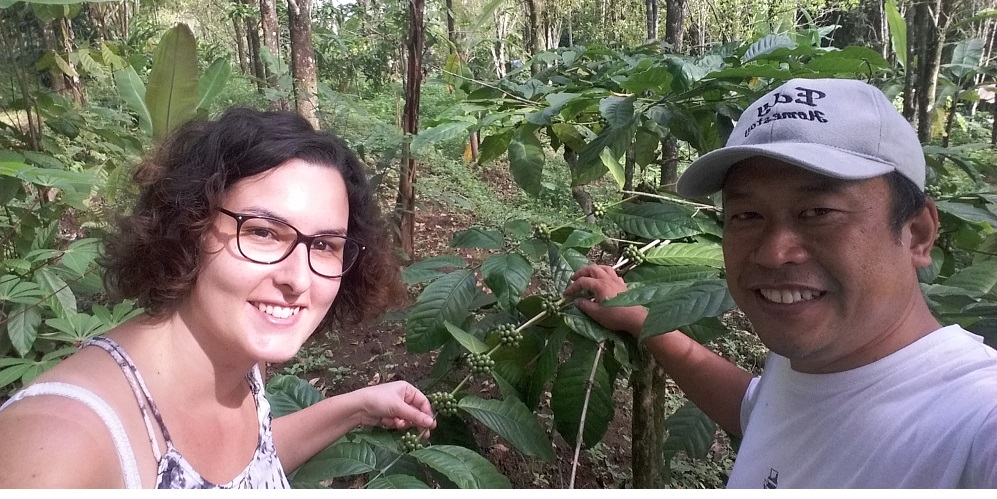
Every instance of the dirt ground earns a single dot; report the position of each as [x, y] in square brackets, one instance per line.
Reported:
[376, 354]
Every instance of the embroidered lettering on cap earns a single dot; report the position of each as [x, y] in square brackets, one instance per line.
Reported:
[805, 96]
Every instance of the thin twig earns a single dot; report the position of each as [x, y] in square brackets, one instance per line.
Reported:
[585, 406]
[698, 206]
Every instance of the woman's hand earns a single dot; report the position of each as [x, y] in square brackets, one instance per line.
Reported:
[395, 405]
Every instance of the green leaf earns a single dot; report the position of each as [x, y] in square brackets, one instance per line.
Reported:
[288, 394]
[14, 372]
[618, 111]
[563, 264]
[171, 95]
[62, 300]
[427, 270]
[508, 276]
[493, 146]
[445, 300]
[79, 255]
[526, 160]
[649, 274]
[967, 212]
[766, 45]
[648, 293]
[466, 340]
[338, 460]
[439, 133]
[655, 78]
[689, 431]
[583, 239]
[898, 31]
[567, 396]
[706, 330]
[214, 81]
[22, 327]
[397, 482]
[465, 468]
[589, 166]
[582, 324]
[704, 254]
[14, 289]
[978, 279]
[477, 237]
[514, 422]
[612, 164]
[701, 300]
[656, 220]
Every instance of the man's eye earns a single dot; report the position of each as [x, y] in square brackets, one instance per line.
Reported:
[744, 215]
[815, 212]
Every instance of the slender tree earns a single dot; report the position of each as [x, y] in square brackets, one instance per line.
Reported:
[271, 39]
[303, 60]
[405, 202]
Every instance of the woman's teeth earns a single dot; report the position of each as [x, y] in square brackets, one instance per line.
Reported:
[278, 311]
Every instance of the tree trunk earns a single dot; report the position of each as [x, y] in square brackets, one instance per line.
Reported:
[451, 27]
[58, 79]
[932, 32]
[240, 44]
[651, 9]
[32, 137]
[253, 42]
[675, 11]
[405, 202]
[532, 37]
[303, 60]
[74, 85]
[498, 47]
[647, 426]
[271, 39]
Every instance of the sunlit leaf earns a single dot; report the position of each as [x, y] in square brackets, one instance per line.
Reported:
[513, 421]
[464, 467]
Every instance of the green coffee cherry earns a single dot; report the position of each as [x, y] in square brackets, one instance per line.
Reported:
[598, 210]
[480, 363]
[443, 403]
[634, 255]
[508, 335]
[542, 232]
[410, 442]
[549, 305]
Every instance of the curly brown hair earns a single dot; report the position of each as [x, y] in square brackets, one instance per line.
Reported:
[154, 257]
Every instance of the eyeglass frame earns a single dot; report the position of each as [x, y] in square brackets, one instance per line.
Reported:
[240, 218]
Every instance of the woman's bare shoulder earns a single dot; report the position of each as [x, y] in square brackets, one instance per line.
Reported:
[51, 441]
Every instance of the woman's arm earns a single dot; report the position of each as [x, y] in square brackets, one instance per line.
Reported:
[301, 435]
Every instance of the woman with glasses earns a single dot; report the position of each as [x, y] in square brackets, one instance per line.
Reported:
[251, 232]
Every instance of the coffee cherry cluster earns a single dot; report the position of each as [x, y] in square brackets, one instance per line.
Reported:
[410, 442]
[598, 210]
[542, 232]
[633, 254]
[508, 335]
[480, 363]
[549, 305]
[444, 403]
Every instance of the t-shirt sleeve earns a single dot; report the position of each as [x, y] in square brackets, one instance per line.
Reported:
[981, 470]
[748, 402]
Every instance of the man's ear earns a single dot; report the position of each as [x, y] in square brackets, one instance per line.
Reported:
[923, 229]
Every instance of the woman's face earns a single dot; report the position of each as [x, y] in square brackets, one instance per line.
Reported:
[251, 312]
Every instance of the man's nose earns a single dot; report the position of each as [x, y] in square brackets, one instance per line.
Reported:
[779, 244]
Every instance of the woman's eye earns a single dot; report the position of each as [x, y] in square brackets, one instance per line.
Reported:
[261, 233]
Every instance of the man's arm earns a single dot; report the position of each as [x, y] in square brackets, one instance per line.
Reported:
[713, 383]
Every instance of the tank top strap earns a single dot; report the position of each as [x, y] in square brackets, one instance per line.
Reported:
[142, 395]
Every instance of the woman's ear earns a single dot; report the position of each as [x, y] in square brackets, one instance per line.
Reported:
[923, 230]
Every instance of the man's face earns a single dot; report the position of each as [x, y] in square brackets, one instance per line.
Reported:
[813, 262]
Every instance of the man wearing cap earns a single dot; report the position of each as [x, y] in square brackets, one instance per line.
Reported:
[825, 225]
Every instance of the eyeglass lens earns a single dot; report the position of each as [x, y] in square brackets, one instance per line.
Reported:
[269, 241]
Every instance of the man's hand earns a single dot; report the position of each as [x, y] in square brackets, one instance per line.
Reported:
[598, 283]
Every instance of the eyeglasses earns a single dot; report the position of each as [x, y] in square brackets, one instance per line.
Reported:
[266, 240]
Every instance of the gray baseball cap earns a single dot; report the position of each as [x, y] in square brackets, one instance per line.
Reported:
[840, 128]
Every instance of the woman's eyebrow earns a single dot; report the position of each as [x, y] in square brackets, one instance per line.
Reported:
[263, 212]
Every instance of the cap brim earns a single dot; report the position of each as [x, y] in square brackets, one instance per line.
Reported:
[706, 175]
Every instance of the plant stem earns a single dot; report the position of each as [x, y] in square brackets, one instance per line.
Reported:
[581, 420]
[699, 206]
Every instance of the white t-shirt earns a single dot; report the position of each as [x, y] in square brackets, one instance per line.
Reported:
[923, 417]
